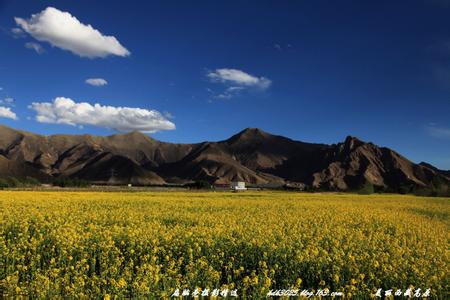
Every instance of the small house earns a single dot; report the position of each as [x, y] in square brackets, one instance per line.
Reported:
[238, 186]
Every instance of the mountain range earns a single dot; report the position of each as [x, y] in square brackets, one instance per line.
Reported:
[252, 155]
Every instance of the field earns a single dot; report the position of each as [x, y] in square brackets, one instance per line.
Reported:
[93, 244]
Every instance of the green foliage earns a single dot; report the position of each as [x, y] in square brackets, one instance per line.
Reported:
[13, 182]
[443, 191]
[3, 184]
[199, 185]
[367, 188]
[438, 183]
[380, 189]
[405, 189]
[440, 187]
[318, 189]
[71, 182]
[30, 181]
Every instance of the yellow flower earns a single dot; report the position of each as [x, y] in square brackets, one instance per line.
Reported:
[249, 242]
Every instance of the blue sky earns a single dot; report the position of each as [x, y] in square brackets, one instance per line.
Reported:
[314, 71]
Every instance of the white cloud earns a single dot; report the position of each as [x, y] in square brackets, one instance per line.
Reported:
[224, 96]
[64, 31]
[234, 89]
[96, 81]
[35, 46]
[8, 101]
[17, 33]
[439, 132]
[66, 111]
[6, 112]
[230, 92]
[16, 30]
[237, 81]
[168, 115]
[282, 47]
[238, 77]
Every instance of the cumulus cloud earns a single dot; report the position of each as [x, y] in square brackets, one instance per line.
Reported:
[35, 46]
[439, 132]
[6, 112]
[66, 111]
[65, 31]
[238, 77]
[96, 81]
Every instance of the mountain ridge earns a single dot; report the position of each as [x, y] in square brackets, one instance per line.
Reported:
[251, 155]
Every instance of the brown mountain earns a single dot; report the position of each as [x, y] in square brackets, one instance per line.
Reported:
[252, 155]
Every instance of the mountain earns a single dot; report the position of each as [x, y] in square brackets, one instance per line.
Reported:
[443, 172]
[252, 155]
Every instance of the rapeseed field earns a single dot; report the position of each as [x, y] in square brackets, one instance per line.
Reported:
[116, 245]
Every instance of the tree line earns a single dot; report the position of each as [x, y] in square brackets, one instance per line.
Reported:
[14, 182]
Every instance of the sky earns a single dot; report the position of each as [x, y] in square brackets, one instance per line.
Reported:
[190, 71]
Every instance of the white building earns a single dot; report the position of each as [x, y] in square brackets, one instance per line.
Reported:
[238, 186]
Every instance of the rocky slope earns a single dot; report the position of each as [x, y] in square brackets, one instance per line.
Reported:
[252, 155]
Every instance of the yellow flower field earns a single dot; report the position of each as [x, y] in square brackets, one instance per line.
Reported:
[94, 244]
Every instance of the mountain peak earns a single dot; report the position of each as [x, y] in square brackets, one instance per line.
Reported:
[253, 132]
[352, 142]
[249, 134]
[252, 129]
[132, 136]
[135, 133]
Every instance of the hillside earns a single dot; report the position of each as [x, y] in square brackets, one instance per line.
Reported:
[252, 155]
